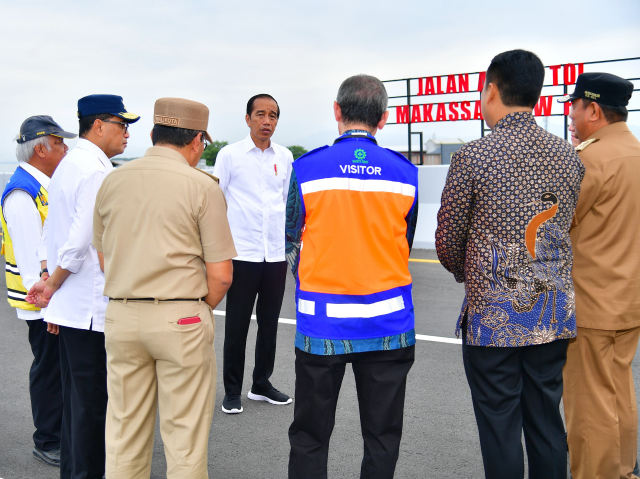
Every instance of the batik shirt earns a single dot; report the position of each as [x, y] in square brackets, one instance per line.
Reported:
[503, 230]
[351, 217]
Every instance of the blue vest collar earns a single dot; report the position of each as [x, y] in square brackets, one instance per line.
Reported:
[356, 134]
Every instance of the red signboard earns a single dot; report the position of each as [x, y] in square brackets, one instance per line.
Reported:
[566, 74]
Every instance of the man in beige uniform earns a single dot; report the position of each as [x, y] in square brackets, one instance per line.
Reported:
[599, 395]
[161, 231]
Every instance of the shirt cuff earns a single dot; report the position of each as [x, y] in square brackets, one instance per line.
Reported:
[42, 253]
[70, 264]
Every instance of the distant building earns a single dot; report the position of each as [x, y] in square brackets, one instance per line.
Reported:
[444, 148]
[435, 151]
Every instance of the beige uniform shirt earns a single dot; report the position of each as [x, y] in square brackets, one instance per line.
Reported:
[157, 221]
[606, 232]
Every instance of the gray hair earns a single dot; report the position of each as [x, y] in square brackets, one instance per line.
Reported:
[362, 99]
[24, 151]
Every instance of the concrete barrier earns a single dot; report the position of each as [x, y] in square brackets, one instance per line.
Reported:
[431, 180]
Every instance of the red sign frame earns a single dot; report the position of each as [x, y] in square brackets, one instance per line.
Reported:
[470, 109]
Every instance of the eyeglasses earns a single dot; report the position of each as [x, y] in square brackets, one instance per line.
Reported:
[122, 124]
[204, 140]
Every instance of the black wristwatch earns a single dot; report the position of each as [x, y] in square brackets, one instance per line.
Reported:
[44, 270]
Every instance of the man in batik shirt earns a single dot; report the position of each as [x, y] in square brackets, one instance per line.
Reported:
[503, 230]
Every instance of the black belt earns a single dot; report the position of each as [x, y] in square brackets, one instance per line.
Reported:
[154, 300]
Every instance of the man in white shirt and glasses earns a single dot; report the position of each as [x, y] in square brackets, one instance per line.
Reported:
[254, 176]
[73, 293]
[24, 208]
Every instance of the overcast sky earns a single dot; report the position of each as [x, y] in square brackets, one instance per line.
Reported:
[221, 53]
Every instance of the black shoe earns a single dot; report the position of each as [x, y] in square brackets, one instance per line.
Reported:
[231, 404]
[48, 457]
[273, 397]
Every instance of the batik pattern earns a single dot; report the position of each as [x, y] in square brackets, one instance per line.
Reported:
[294, 225]
[330, 347]
[503, 230]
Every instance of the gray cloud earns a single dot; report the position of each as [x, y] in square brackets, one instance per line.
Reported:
[222, 53]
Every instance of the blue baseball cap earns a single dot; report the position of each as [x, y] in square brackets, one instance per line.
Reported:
[111, 104]
[41, 125]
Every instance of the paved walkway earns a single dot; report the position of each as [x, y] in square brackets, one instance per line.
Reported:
[440, 436]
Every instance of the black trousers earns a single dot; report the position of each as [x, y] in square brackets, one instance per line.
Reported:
[45, 386]
[83, 363]
[381, 379]
[516, 389]
[267, 281]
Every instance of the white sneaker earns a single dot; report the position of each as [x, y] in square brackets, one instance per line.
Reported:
[231, 404]
[273, 397]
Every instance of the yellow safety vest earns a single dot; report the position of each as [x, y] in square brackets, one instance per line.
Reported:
[21, 180]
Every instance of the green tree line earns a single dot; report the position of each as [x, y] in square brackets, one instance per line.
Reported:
[211, 152]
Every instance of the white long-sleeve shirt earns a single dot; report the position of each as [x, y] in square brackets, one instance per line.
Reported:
[255, 184]
[25, 228]
[66, 238]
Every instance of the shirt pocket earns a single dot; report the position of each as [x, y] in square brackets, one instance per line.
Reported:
[276, 181]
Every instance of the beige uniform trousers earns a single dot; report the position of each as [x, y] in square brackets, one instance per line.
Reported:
[600, 403]
[152, 361]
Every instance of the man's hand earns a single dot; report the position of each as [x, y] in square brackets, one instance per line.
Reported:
[40, 294]
[53, 328]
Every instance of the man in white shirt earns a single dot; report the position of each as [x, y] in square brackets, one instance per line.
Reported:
[24, 208]
[254, 176]
[74, 291]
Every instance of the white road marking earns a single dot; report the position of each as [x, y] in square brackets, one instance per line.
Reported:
[438, 339]
[422, 337]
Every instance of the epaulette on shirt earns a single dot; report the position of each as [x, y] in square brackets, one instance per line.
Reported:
[214, 178]
[584, 144]
[312, 152]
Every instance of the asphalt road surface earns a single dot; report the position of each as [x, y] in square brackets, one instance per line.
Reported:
[440, 436]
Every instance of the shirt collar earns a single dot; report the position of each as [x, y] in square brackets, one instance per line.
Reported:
[514, 119]
[611, 129]
[250, 145]
[166, 153]
[95, 150]
[36, 173]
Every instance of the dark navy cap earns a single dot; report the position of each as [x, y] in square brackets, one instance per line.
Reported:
[111, 104]
[603, 88]
[41, 125]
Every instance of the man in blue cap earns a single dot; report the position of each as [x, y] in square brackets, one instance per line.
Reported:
[24, 208]
[73, 293]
